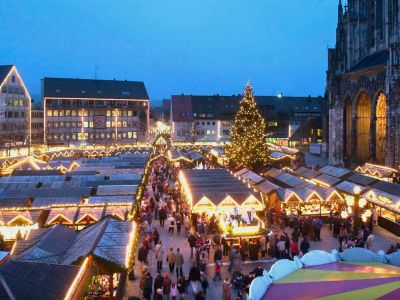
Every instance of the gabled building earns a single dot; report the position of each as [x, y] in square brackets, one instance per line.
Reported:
[15, 107]
[91, 111]
[289, 120]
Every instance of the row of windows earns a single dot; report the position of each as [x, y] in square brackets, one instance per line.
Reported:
[85, 113]
[206, 123]
[85, 136]
[15, 114]
[200, 115]
[90, 124]
[9, 126]
[203, 132]
[15, 102]
[37, 115]
[307, 114]
[13, 90]
[94, 103]
[36, 125]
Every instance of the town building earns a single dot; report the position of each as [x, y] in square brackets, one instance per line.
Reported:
[363, 84]
[15, 106]
[291, 121]
[37, 123]
[91, 111]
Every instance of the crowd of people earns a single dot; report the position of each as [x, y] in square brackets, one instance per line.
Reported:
[163, 203]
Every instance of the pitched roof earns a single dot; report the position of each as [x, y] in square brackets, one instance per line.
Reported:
[36, 281]
[93, 88]
[4, 70]
[106, 239]
[373, 60]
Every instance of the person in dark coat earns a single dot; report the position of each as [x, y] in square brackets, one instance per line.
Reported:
[158, 281]
[304, 246]
[162, 214]
[142, 254]
[148, 287]
[218, 254]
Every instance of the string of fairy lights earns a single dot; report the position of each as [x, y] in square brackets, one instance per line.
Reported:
[248, 147]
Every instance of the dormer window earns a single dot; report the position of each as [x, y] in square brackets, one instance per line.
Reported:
[125, 93]
[99, 92]
[83, 92]
[57, 91]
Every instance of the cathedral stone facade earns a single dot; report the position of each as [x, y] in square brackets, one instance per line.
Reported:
[363, 84]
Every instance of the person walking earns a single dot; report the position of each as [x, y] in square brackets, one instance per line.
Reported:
[142, 254]
[166, 286]
[218, 255]
[158, 282]
[171, 224]
[294, 249]
[281, 248]
[263, 246]
[179, 261]
[174, 291]
[192, 243]
[159, 250]
[181, 285]
[178, 219]
[171, 260]
[148, 287]
[162, 214]
[217, 271]
[226, 290]
[232, 257]
[304, 246]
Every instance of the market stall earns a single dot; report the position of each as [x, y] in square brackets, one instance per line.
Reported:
[218, 192]
[379, 172]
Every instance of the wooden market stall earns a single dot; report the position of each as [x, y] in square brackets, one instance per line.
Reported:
[218, 192]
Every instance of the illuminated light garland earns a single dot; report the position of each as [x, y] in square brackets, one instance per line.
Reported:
[130, 246]
[77, 279]
[248, 147]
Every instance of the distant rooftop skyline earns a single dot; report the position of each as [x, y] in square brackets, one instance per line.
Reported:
[200, 48]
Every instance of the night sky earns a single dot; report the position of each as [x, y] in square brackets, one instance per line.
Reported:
[174, 46]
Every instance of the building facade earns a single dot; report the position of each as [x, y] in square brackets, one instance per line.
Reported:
[15, 106]
[363, 85]
[87, 111]
[37, 124]
[209, 118]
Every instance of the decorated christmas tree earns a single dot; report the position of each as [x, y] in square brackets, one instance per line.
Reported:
[248, 147]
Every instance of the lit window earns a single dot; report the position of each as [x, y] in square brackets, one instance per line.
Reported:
[67, 113]
[208, 131]
[124, 124]
[108, 124]
[55, 113]
[49, 113]
[129, 135]
[129, 113]
[134, 134]
[61, 113]
[91, 124]
[85, 124]
[108, 113]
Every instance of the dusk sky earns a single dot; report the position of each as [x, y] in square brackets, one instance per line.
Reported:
[193, 47]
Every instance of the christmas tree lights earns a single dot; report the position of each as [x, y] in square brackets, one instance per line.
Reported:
[248, 147]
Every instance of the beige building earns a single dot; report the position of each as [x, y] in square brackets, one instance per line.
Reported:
[91, 111]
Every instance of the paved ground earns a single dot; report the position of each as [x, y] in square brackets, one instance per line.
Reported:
[313, 160]
[383, 239]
